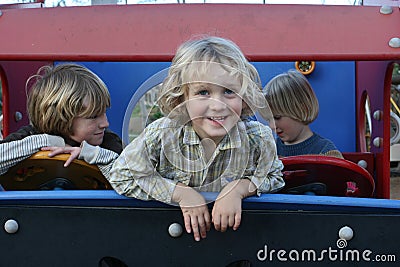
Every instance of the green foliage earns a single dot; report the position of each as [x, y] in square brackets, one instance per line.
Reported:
[396, 69]
[136, 111]
[155, 114]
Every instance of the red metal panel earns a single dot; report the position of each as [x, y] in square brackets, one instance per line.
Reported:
[374, 78]
[153, 32]
[14, 77]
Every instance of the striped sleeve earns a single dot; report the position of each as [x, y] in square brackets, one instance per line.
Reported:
[102, 157]
[15, 151]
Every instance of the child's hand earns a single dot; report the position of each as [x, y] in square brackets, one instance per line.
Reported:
[194, 209]
[227, 210]
[55, 150]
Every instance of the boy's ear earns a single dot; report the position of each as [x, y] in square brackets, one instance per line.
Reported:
[244, 105]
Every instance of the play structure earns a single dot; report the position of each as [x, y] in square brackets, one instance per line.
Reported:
[332, 211]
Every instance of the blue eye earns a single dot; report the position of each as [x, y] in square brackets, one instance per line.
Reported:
[203, 92]
[229, 92]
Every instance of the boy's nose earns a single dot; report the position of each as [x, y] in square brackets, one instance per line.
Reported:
[217, 104]
[103, 121]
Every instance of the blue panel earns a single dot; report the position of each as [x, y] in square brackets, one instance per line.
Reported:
[282, 202]
[334, 85]
[333, 82]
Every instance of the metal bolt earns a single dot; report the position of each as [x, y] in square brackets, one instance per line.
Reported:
[11, 226]
[18, 116]
[362, 163]
[377, 115]
[377, 142]
[175, 230]
[346, 233]
[386, 10]
[394, 42]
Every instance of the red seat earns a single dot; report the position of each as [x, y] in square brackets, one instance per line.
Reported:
[326, 175]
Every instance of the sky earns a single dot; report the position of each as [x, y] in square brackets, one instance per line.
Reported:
[50, 3]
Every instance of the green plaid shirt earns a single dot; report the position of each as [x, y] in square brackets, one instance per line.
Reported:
[167, 153]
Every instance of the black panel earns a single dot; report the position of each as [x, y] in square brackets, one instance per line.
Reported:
[75, 236]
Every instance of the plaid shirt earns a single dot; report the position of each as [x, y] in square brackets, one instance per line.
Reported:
[167, 153]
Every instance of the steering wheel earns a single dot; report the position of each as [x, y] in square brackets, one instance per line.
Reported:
[40, 172]
[324, 175]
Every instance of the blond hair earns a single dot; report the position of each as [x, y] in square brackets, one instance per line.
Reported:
[58, 94]
[195, 56]
[291, 95]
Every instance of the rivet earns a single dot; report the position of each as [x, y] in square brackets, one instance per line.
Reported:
[377, 115]
[18, 116]
[346, 233]
[362, 163]
[175, 230]
[394, 42]
[386, 10]
[377, 142]
[11, 226]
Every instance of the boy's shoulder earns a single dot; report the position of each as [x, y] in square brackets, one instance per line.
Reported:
[256, 128]
[160, 127]
[21, 133]
[162, 123]
[325, 142]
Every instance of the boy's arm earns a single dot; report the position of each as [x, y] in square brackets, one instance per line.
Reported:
[194, 209]
[16, 151]
[21, 133]
[274, 178]
[227, 210]
[267, 176]
[103, 158]
[134, 174]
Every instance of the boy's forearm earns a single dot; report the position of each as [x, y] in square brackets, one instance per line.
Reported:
[243, 187]
[102, 157]
[179, 191]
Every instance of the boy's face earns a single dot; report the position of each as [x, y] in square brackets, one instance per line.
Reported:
[290, 131]
[213, 106]
[89, 129]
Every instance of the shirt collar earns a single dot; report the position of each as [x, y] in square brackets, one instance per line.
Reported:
[190, 137]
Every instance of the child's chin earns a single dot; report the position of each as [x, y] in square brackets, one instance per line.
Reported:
[97, 142]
